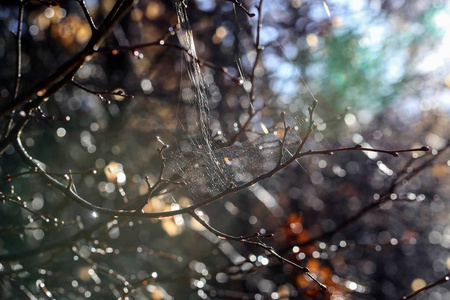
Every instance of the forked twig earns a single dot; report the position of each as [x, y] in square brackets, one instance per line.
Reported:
[37, 171]
[246, 240]
[160, 180]
[251, 111]
[63, 75]
[383, 198]
[23, 204]
[138, 213]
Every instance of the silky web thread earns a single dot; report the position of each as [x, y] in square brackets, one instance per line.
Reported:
[208, 171]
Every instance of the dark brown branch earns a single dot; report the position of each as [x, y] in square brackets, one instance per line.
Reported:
[42, 116]
[162, 43]
[137, 213]
[360, 148]
[19, 49]
[251, 111]
[246, 240]
[9, 122]
[241, 6]
[101, 93]
[63, 75]
[160, 180]
[283, 141]
[41, 285]
[37, 171]
[259, 49]
[16, 200]
[444, 279]
[383, 198]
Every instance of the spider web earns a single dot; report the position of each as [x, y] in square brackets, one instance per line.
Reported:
[209, 170]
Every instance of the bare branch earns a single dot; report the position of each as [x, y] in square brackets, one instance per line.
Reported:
[251, 111]
[360, 148]
[383, 198]
[19, 49]
[160, 179]
[138, 213]
[101, 93]
[128, 288]
[444, 279]
[163, 43]
[87, 15]
[37, 171]
[283, 141]
[246, 240]
[18, 201]
[63, 75]
[241, 6]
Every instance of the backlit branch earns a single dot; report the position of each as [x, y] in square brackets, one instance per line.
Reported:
[444, 279]
[386, 196]
[22, 204]
[138, 213]
[246, 240]
[101, 94]
[160, 179]
[63, 75]
[251, 111]
[87, 15]
[242, 7]
[163, 43]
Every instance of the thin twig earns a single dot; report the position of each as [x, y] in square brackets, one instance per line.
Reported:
[87, 15]
[101, 93]
[444, 279]
[63, 75]
[259, 49]
[19, 49]
[16, 200]
[383, 198]
[37, 171]
[251, 111]
[163, 43]
[41, 285]
[241, 6]
[245, 240]
[138, 213]
[360, 148]
[283, 141]
[160, 180]
[128, 288]
[9, 122]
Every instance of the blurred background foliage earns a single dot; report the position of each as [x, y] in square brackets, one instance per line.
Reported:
[381, 72]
